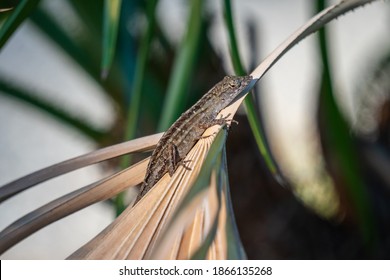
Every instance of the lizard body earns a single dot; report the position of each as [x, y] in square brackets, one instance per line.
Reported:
[178, 140]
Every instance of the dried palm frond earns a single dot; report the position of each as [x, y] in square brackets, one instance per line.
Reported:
[171, 221]
[138, 145]
[70, 203]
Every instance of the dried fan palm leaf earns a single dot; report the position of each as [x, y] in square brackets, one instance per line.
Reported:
[135, 233]
[197, 213]
[70, 203]
[138, 145]
[212, 233]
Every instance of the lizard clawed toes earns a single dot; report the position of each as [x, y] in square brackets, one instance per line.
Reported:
[184, 162]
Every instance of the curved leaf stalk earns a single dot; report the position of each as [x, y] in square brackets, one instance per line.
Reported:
[254, 120]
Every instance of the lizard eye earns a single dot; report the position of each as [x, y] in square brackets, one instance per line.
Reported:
[234, 84]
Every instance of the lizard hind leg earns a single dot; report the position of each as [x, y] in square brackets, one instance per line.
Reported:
[174, 160]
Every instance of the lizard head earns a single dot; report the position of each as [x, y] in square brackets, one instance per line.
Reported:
[231, 87]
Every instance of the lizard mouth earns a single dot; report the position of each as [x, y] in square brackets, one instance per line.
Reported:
[249, 86]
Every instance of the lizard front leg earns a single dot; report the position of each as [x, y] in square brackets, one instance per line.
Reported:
[221, 121]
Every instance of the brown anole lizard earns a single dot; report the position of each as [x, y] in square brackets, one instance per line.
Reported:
[178, 140]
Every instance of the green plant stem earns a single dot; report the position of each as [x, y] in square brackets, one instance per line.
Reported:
[110, 31]
[253, 118]
[136, 91]
[78, 53]
[18, 15]
[63, 116]
[339, 140]
[133, 110]
[183, 67]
